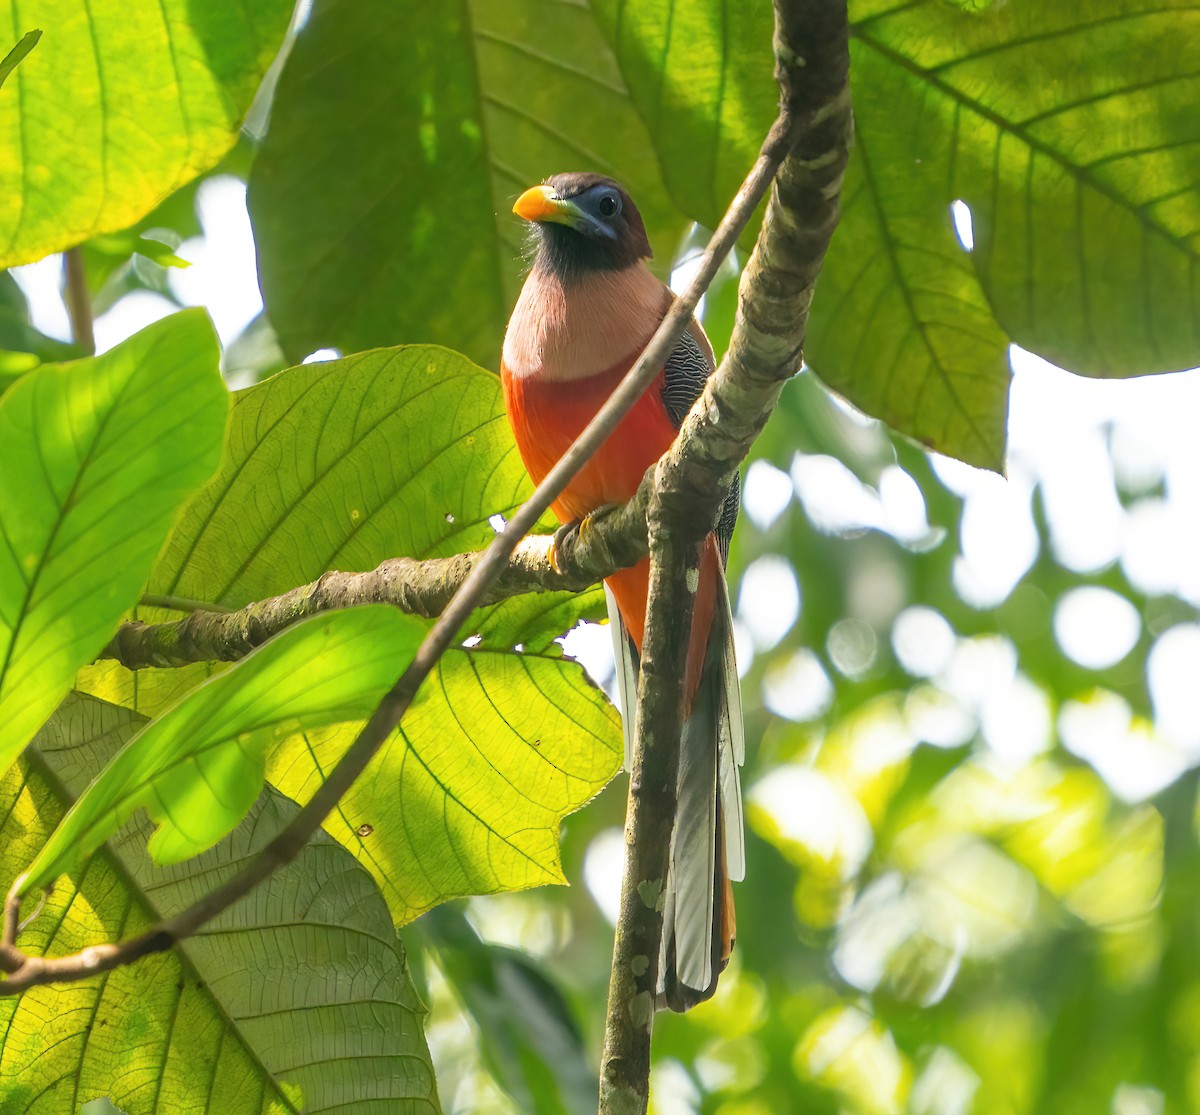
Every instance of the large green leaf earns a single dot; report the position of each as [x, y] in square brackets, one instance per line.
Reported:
[900, 325]
[399, 452]
[96, 458]
[382, 207]
[466, 798]
[340, 465]
[118, 106]
[1082, 187]
[198, 768]
[297, 998]
[701, 75]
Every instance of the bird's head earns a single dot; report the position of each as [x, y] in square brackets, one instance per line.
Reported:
[583, 223]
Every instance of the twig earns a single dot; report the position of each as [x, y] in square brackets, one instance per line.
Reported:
[26, 971]
[690, 482]
[78, 299]
[182, 604]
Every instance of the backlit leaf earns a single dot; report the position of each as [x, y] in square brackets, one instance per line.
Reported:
[253, 1014]
[198, 768]
[96, 458]
[1070, 132]
[466, 798]
[83, 148]
[401, 452]
[1074, 139]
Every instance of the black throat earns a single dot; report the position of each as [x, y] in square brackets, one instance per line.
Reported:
[569, 255]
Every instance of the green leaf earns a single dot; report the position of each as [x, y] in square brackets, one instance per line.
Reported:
[530, 1039]
[91, 153]
[901, 326]
[252, 1014]
[466, 798]
[1082, 188]
[340, 465]
[401, 452]
[198, 768]
[97, 458]
[15, 56]
[363, 242]
[702, 75]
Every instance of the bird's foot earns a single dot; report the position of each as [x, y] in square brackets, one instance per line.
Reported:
[570, 535]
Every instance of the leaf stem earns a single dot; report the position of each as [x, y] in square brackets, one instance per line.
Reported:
[78, 299]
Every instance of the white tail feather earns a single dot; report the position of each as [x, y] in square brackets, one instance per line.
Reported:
[731, 805]
[733, 687]
[627, 672]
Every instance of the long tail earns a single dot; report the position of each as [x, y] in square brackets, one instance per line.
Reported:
[707, 847]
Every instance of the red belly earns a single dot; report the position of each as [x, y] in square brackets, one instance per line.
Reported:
[547, 416]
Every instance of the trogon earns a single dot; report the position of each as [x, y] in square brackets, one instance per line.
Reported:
[588, 307]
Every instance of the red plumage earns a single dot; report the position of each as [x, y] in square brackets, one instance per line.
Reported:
[546, 417]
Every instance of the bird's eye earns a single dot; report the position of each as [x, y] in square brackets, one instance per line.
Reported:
[609, 206]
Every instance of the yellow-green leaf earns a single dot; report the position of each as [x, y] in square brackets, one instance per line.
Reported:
[197, 768]
[96, 458]
[249, 1015]
[368, 241]
[466, 798]
[119, 106]
[1070, 132]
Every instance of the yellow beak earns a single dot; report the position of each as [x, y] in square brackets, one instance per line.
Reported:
[541, 203]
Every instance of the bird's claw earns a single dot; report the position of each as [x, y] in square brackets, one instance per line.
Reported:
[569, 535]
[557, 543]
